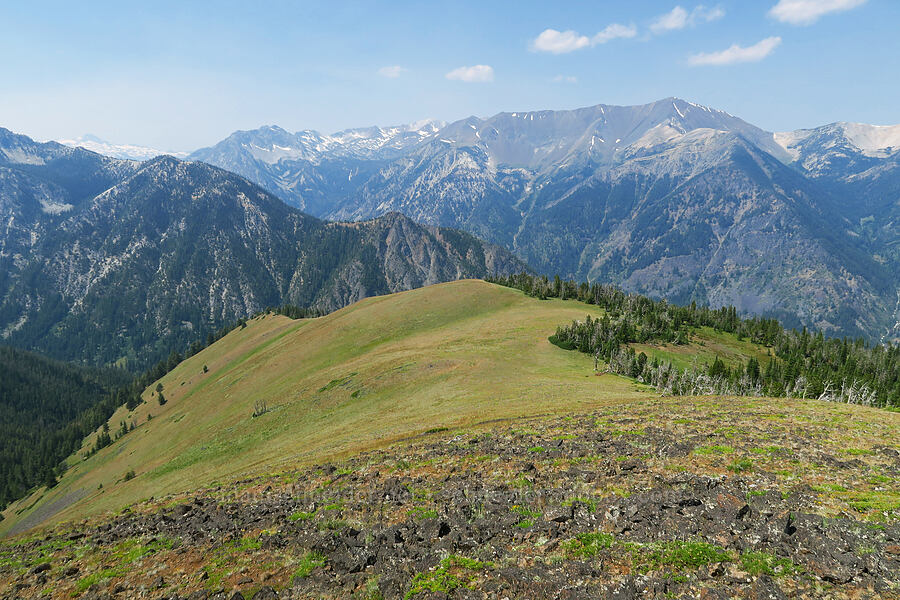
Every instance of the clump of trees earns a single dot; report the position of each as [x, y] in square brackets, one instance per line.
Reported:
[296, 312]
[798, 363]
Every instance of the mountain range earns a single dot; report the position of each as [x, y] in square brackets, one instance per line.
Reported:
[126, 151]
[105, 260]
[670, 199]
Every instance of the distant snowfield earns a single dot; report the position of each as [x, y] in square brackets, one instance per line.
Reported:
[871, 140]
[272, 144]
[126, 151]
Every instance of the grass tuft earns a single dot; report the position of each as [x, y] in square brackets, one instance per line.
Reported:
[763, 563]
[453, 573]
[309, 563]
[588, 545]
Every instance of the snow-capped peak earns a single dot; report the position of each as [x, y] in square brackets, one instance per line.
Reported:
[127, 151]
[272, 144]
[875, 141]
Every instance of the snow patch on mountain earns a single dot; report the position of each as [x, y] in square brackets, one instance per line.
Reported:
[271, 144]
[126, 151]
[790, 141]
[664, 132]
[877, 141]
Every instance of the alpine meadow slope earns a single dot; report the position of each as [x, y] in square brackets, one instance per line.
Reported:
[382, 369]
[435, 439]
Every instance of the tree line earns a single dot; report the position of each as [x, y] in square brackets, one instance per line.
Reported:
[47, 407]
[796, 363]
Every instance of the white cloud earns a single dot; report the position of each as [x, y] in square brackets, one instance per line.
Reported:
[737, 54]
[563, 42]
[565, 79]
[806, 12]
[701, 14]
[559, 42]
[392, 72]
[473, 74]
[614, 31]
[679, 18]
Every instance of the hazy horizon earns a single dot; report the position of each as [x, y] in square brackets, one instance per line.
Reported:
[178, 78]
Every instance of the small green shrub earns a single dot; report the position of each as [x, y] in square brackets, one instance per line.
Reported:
[521, 482]
[85, 582]
[333, 525]
[525, 524]
[589, 502]
[310, 562]
[678, 556]
[587, 545]
[301, 516]
[245, 544]
[858, 451]
[829, 487]
[741, 465]
[714, 450]
[763, 563]
[525, 511]
[421, 512]
[878, 501]
[454, 572]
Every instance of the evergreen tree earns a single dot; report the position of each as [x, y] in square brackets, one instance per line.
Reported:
[797, 363]
[717, 369]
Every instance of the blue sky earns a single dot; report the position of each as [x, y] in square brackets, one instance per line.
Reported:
[180, 75]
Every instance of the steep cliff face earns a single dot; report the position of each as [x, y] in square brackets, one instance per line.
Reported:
[174, 250]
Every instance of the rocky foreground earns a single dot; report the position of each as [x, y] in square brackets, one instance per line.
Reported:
[700, 498]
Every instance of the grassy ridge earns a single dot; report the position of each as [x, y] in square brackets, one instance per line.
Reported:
[382, 369]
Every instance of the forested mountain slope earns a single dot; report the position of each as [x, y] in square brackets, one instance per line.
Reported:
[112, 261]
[46, 409]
